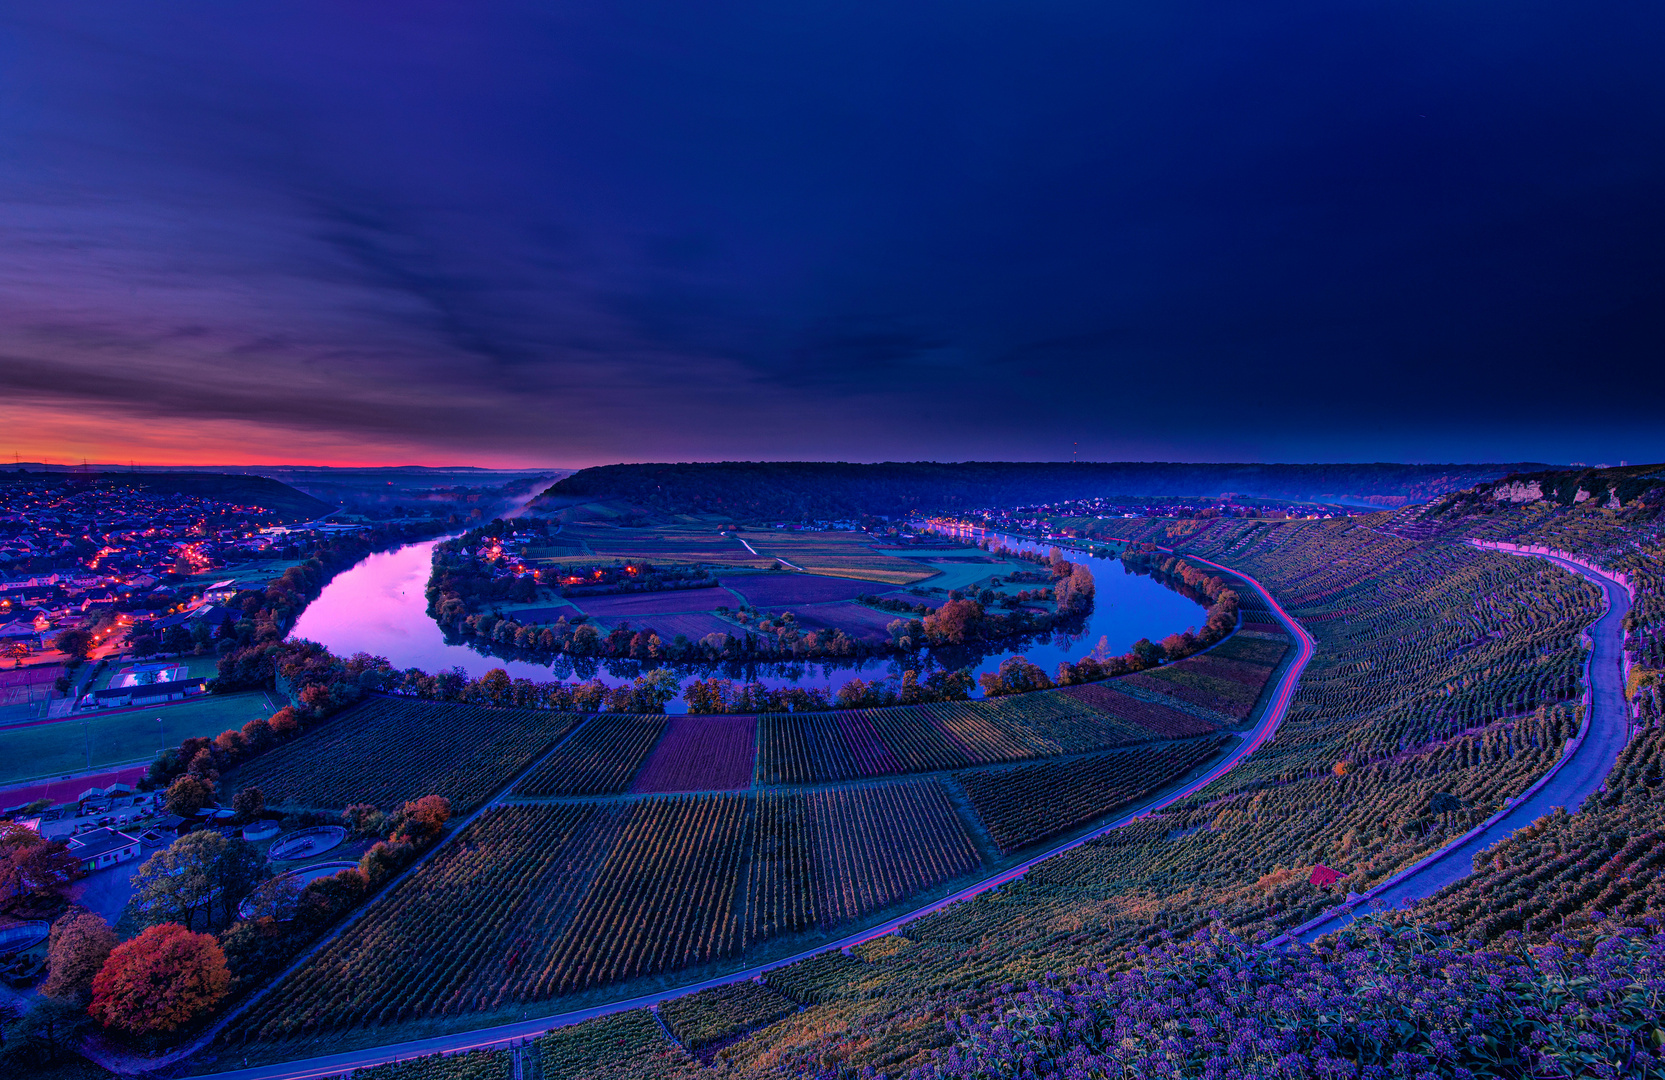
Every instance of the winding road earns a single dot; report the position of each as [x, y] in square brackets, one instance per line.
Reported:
[506, 1035]
[1580, 772]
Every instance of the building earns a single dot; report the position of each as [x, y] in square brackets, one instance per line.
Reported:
[220, 591]
[103, 847]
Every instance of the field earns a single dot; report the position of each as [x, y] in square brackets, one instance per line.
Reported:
[784, 590]
[539, 901]
[668, 544]
[388, 750]
[839, 554]
[1029, 803]
[637, 606]
[601, 759]
[701, 753]
[1445, 681]
[93, 740]
[711, 1016]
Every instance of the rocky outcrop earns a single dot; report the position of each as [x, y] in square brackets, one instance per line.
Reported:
[1522, 492]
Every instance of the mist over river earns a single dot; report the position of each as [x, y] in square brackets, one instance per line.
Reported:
[379, 607]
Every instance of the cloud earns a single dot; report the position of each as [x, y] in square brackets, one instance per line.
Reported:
[517, 233]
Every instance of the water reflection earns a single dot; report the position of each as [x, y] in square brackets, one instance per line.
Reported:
[379, 607]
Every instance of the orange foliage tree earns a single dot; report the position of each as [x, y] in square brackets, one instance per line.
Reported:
[159, 981]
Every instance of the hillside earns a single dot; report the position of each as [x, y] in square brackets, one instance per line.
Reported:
[830, 490]
[244, 490]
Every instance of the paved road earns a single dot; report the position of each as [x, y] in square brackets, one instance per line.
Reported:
[1578, 777]
[508, 1034]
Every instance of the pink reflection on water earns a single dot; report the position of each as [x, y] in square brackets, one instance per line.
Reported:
[379, 607]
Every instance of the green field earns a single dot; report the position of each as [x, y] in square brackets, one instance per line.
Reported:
[251, 575]
[49, 750]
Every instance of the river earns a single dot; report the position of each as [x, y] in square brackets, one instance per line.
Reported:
[378, 607]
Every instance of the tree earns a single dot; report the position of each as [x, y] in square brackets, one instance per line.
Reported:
[236, 873]
[177, 883]
[47, 1032]
[188, 794]
[31, 864]
[248, 803]
[81, 942]
[160, 981]
[1075, 592]
[365, 820]
[955, 622]
[420, 820]
[75, 644]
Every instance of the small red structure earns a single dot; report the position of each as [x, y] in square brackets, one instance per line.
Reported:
[1324, 876]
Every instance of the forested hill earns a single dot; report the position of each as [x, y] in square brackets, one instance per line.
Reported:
[245, 490]
[820, 490]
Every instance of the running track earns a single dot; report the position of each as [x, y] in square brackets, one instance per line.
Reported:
[508, 1034]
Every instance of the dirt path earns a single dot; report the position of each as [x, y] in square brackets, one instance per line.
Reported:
[1581, 772]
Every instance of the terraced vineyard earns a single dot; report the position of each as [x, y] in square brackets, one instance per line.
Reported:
[711, 1016]
[1028, 803]
[389, 750]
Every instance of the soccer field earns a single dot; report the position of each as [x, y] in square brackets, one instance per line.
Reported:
[50, 750]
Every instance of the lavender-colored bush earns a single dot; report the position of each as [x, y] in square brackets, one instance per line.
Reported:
[1381, 1003]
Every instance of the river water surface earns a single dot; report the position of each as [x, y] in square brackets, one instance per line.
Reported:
[378, 607]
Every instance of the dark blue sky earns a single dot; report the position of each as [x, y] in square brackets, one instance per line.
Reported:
[568, 234]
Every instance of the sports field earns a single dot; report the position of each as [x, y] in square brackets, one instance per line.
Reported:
[95, 740]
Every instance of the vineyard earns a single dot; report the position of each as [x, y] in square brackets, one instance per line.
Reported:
[807, 748]
[1029, 803]
[712, 1016]
[602, 758]
[389, 750]
[702, 753]
[1445, 681]
[535, 901]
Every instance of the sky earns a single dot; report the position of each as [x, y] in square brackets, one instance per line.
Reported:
[568, 234]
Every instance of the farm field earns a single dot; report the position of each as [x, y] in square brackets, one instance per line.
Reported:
[784, 590]
[701, 753]
[537, 901]
[839, 554]
[388, 750]
[94, 740]
[1445, 682]
[637, 606]
[1029, 803]
[601, 759]
[665, 544]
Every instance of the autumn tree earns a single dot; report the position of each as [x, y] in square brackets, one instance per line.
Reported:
[189, 794]
[160, 981]
[248, 803]
[32, 865]
[1075, 591]
[81, 941]
[955, 622]
[1016, 675]
[420, 820]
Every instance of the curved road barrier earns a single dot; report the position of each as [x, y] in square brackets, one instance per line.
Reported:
[1580, 771]
[504, 1036]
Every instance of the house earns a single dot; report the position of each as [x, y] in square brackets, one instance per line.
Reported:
[103, 847]
[220, 592]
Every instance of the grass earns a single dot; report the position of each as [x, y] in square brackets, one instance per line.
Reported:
[50, 750]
